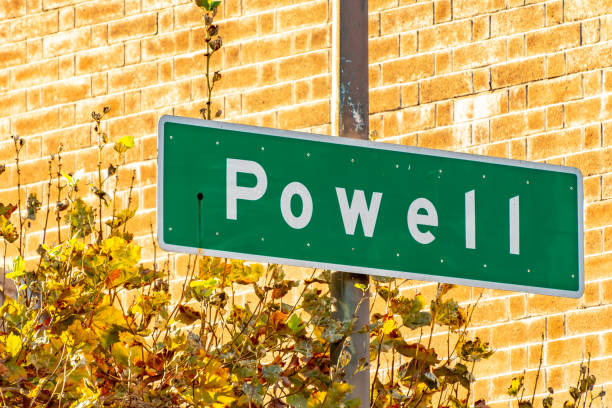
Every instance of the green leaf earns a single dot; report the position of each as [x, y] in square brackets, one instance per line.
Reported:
[294, 323]
[120, 353]
[18, 268]
[123, 144]
[271, 373]
[361, 287]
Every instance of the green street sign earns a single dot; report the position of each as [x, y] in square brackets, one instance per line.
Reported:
[300, 199]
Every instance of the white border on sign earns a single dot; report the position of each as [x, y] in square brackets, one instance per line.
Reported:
[371, 145]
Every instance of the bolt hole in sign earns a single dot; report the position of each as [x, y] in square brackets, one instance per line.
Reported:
[301, 199]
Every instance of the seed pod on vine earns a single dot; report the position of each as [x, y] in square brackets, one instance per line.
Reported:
[216, 44]
[212, 30]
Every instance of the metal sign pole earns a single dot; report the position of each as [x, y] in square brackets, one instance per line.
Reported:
[350, 119]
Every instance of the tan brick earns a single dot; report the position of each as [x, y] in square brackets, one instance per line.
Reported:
[304, 65]
[517, 98]
[132, 77]
[96, 12]
[408, 69]
[34, 99]
[592, 83]
[455, 137]
[72, 139]
[165, 45]
[165, 95]
[606, 28]
[303, 116]
[142, 124]
[480, 106]
[132, 27]
[554, 12]
[516, 47]
[253, 6]
[467, 8]
[554, 144]
[265, 49]
[509, 126]
[554, 91]
[519, 72]
[592, 136]
[268, 98]
[66, 18]
[479, 54]
[69, 90]
[52, 4]
[408, 43]
[592, 189]
[12, 103]
[302, 15]
[416, 118]
[383, 48]
[12, 54]
[589, 57]
[66, 115]
[384, 99]
[598, 214]
[555, 65]
[34, 74]
[553, 39]
[35, 122]
[12, 8]
[583, 111]
[554, 117]
[592, 162]
[580, 10]
[589, 31]
[442, 11]
[590, 320]
[445, 87]
[555, 327]
[518, 20]
[444, 113]
[66, 42]
[406, 18]
[564, 350]
[445, 35]
[99, 59]
[35, 26]
[187, 15]
[443, 62]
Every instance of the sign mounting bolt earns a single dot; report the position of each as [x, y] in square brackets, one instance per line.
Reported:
[307, 154]
[352, 160]
[484, 176]
[441, 260]
[308, 244]
[217, 142]
[171, 137]
[169, 228]
[527, 181]
[262, 148]
[262, 238]
[572, 187]
[485, 265]
[216, 233]
[397, 254]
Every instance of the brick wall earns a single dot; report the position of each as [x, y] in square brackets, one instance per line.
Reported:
[520, 79]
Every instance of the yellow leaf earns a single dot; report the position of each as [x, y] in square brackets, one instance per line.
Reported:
[388, 326]
[13, 344]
